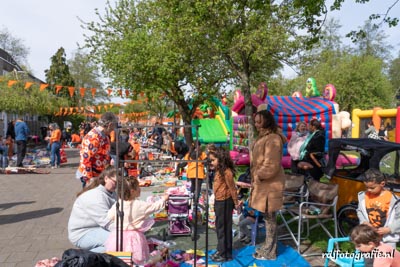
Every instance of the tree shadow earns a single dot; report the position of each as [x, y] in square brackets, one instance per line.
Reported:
[5, 206]
[13, 218]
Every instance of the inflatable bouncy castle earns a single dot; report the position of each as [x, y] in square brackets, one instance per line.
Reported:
[287, 111]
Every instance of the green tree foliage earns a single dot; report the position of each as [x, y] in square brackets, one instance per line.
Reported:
[59, 74]
[394, 74]
[85, 73]
[149, 48]
[14, 46]
[17, 99]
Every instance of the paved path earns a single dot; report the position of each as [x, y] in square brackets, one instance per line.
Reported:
[34, 211]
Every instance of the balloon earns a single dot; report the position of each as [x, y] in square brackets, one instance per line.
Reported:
[329, 92]
[311, 88]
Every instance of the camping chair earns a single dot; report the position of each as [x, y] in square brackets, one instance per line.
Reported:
[340, 259]
[295, 191]
[318, 208]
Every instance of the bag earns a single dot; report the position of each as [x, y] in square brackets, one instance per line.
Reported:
[63, 156]
[245, 177]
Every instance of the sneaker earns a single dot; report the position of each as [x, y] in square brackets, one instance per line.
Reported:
[53, 167]
[219, 258]
[259, 256]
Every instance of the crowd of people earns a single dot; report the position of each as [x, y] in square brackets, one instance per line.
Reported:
[92, 223]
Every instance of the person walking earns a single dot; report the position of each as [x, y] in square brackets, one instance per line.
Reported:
[21, 137]
[55, 145]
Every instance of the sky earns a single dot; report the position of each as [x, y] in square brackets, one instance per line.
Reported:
[46, 25]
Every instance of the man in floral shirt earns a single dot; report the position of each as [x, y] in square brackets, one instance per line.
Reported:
[94, 154]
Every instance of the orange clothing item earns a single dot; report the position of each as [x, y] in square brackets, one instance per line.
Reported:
[224, 187]
[55, 136]
[112, 136]
[94, 153]
[75, 138]
[191, 167]
[378, 207]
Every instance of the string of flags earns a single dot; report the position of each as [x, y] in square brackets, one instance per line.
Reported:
[73, 90]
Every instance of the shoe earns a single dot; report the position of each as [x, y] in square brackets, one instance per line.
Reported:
[219, 258]
[53, 167]
[243, 238]
[246, 240]
[216, 254]
[258, 256]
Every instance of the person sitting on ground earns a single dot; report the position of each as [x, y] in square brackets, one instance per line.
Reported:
[75, 140]
[88, 224]
[367, 240]
[136, 222]
[379, 207]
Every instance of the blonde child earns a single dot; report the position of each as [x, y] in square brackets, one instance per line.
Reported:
[136, 220]
[367, 240]
[379, 207]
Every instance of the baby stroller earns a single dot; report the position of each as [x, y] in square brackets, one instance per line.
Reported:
[177, 208]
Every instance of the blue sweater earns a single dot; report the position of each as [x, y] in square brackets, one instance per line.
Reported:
[21, 131]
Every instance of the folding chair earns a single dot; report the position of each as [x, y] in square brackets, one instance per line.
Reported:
[295, 191]
[319, 207]
[354, 259]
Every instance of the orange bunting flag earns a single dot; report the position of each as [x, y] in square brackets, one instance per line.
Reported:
[111, 106]
[58, 88]
[120, 92]
[28, 85]
[82, 91]
[11, 83]
[99, 108]
[127, 93]
[109, 91]
[105, 108]
[43, 86]
[71, 91]
[93, 90]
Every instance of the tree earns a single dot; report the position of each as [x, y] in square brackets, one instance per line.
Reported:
[14, 46]
[17, 99]
[194, 47]
[147, 48]
[58, 74]
[394, 75]
[85, 73]
[373, 43]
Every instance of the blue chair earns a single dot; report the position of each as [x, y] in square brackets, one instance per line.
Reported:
[340, 259]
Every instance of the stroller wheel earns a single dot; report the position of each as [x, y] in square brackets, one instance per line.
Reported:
[197, 237]
[164, 234]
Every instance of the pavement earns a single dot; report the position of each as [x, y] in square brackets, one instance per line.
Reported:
[34, 212]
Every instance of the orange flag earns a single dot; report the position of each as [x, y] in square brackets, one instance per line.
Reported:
[58, 88]
[82, 91]
[99, 108]
[127, 93]
[71, 91]
[93, 91]
[43, 86]
[11, 83]
[28, 85]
